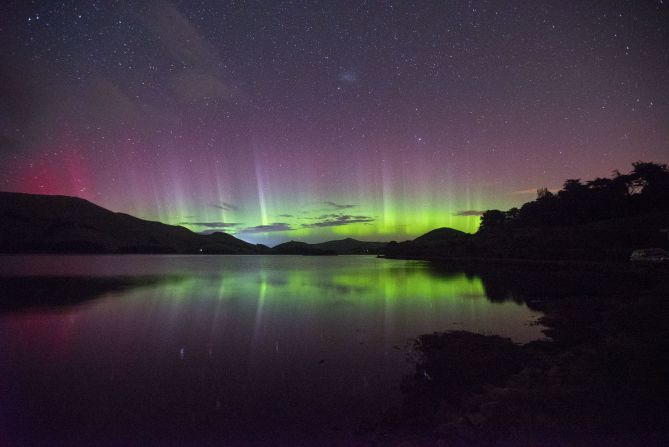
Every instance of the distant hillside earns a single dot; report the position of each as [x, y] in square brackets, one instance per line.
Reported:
[440, 235]
[350, 246]
[603, 219]
[31, 223]
[441, 241]
[605, 240]
[300, 248]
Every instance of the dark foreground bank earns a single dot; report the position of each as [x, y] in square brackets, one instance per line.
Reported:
[601, 379]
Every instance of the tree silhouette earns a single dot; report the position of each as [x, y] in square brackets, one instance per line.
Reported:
[492, 219]
[652, 180]
[645, 189]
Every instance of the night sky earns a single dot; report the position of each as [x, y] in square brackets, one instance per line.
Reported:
[315, 120]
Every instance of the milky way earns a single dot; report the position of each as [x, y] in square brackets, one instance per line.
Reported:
[314, 120]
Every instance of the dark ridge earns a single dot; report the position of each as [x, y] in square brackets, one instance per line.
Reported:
[300, 248]
[20, 292]
[605, 219]
[444, 234]
[32, 223]
[350, 246]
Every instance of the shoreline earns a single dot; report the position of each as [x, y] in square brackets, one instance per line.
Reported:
[483, 261]
[598, 379]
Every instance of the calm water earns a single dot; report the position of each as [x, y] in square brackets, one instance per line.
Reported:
[251, 350]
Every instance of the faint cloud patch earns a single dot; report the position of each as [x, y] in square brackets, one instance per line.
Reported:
[211, 224]
[339, 206]
[199, 78]
[470, 213]
[273, 227]
[348, 76]
[533, 191]
[339, 220]
[225, 206]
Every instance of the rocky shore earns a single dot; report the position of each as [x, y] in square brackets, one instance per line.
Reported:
[601, 378]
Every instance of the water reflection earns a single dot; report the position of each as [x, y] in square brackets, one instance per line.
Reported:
[536, 284]
[242, 349]
[58, 292]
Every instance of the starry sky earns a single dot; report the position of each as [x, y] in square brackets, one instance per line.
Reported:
[280, 120]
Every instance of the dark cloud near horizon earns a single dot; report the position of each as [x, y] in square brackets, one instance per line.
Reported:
[470, 213]
[273, 227]
[339, 220]
[326, 216]
[225, 206]
[213, 231]
[339, 206]
[286, 215]
[212, 224]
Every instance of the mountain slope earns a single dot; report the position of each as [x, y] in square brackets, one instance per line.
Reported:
[299, 248]
[61, 224]
[346, 246]
[350, 246]
[604, 240]
[443, 234]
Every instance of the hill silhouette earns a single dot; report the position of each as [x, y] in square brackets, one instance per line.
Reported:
[299, 248]
[35, 223]
[350, 246]
[601, 219]
[604, 219]
[439, 235]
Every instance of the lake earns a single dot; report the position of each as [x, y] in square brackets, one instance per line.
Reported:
[221, 350]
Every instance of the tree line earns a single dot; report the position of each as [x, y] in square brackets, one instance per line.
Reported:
[645, 189]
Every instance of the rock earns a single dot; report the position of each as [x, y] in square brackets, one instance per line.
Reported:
[500, 392]
[554, 376]
[447, 413]
[487, 387]
[566, 356]
[554, 372]
[489, 408]
[445, 429]
[476, 419]
[474, 401]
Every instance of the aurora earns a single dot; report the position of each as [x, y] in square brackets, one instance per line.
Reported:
[278, 121]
